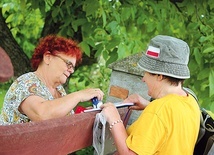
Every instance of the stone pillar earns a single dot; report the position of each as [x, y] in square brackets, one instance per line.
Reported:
[126, 79]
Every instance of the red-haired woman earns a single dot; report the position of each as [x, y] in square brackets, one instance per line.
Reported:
[39, 95]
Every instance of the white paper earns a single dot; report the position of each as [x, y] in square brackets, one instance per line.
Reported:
[118, 105]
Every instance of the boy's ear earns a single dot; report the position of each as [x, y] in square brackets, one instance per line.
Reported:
[160, 77]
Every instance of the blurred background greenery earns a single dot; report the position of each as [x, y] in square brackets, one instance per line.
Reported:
[110, 30]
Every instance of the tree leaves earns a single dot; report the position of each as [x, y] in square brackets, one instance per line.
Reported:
[112, 30]
[208, 50]
[85, 48]
[211, 82]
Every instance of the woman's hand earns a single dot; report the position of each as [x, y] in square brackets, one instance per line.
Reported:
[139, 102]
[110, 112]
[88, 94]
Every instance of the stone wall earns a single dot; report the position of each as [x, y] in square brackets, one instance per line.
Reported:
[126, 79]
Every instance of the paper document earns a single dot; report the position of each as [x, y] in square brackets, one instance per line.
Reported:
[118, 105]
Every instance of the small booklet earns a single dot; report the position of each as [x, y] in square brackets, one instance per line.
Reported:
[118, 105]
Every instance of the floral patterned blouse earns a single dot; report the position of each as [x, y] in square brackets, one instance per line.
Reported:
[26, 85]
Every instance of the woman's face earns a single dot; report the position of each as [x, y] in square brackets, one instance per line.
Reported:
[152, 83]
[63, 66]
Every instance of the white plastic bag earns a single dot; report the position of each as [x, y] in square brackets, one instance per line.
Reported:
[99, 134]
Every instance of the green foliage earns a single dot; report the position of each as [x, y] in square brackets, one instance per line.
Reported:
[116, 29]
[95, 76]
[200, 38]
[113, 30]
[3, 89]
[2, 94]
[86, 151]
[24, 22]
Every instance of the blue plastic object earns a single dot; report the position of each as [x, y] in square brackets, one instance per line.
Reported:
[95, 101]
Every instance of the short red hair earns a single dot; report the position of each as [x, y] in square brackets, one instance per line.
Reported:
[56, 44]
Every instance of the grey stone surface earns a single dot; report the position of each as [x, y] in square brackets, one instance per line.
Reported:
[128, 65]
[126, 74]
[133, 83]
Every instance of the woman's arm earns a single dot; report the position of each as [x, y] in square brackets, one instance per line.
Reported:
[117, 128]
[37, 108]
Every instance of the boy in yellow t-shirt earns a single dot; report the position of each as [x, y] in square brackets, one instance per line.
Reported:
[168, 125]
[167, 122]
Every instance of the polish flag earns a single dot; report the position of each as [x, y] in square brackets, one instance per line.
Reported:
[153, 52]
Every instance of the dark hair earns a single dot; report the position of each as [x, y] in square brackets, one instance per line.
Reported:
[56, 44]
[173, 81]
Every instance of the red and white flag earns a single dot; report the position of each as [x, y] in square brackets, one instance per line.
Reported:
[153, 52]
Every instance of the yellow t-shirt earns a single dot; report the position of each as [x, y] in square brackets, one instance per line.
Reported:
[167, 126]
